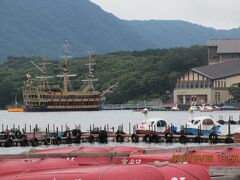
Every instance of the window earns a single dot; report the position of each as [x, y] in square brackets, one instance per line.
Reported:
[196, 85]
[192, 85]
[161, 123]
[208, 122]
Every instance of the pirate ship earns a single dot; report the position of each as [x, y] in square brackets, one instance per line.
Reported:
[45, 96]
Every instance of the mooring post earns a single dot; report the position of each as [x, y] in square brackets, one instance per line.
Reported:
[229, 130]
[122, 127]
[25, 128]
[2, 127]
[107, 127]
[18, 127]
[57, 132]
[36, 127]
[34, 130]
[48, 128]
[13, 126]
[46, 132]
[53, 128]
[61, 128]
[90, 129]
[171, 128]
[7, 127]
[129, 128]
[30, 127]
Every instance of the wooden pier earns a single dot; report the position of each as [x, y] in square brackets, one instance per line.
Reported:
[16, 137]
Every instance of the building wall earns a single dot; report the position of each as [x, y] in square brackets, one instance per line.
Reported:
[195, 96]
[213, 57]
[219, 96]
[232, 80]
[194, 88]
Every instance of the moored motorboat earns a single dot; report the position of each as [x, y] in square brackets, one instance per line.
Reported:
[150, 125]
[16, 107]
[206, 108]
[204, 125]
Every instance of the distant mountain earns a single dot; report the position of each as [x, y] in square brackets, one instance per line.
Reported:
[39, 27]
[172, 33]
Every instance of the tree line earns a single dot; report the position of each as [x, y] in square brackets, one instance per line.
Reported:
[142, 75]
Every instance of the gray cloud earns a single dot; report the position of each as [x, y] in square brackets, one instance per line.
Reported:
[221, 14]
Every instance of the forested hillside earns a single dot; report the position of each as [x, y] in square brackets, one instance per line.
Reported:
[142, 75]
[39, 27]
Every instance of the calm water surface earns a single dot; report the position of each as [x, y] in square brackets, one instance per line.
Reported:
[101, 118]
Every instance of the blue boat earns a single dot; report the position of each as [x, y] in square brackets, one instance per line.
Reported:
[204, 125]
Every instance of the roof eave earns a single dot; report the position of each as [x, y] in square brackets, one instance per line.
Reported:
[193, 69]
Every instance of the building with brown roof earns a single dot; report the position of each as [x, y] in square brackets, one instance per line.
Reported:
[209, 84]
[223, 50]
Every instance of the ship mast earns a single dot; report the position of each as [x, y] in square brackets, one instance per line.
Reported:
[43, 69]
[90, 76]
[65, 69]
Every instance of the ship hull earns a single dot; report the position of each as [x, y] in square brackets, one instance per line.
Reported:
[45, 109]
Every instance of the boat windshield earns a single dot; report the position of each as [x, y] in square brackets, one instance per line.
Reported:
[196, 122]
[161, 123]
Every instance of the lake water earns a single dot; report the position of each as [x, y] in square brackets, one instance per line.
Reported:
[100, 118]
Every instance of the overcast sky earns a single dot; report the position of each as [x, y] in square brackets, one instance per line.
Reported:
[220, 14]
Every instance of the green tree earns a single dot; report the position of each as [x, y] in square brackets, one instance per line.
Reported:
[234, 90]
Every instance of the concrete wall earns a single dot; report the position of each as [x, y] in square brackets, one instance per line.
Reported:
[216, 95]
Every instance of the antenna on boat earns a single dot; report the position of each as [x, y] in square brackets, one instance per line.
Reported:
[90, 75]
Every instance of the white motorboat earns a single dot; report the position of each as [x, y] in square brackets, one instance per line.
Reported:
[204, 125]
[151, 124]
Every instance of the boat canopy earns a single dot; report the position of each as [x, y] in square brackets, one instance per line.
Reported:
[208, 122]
